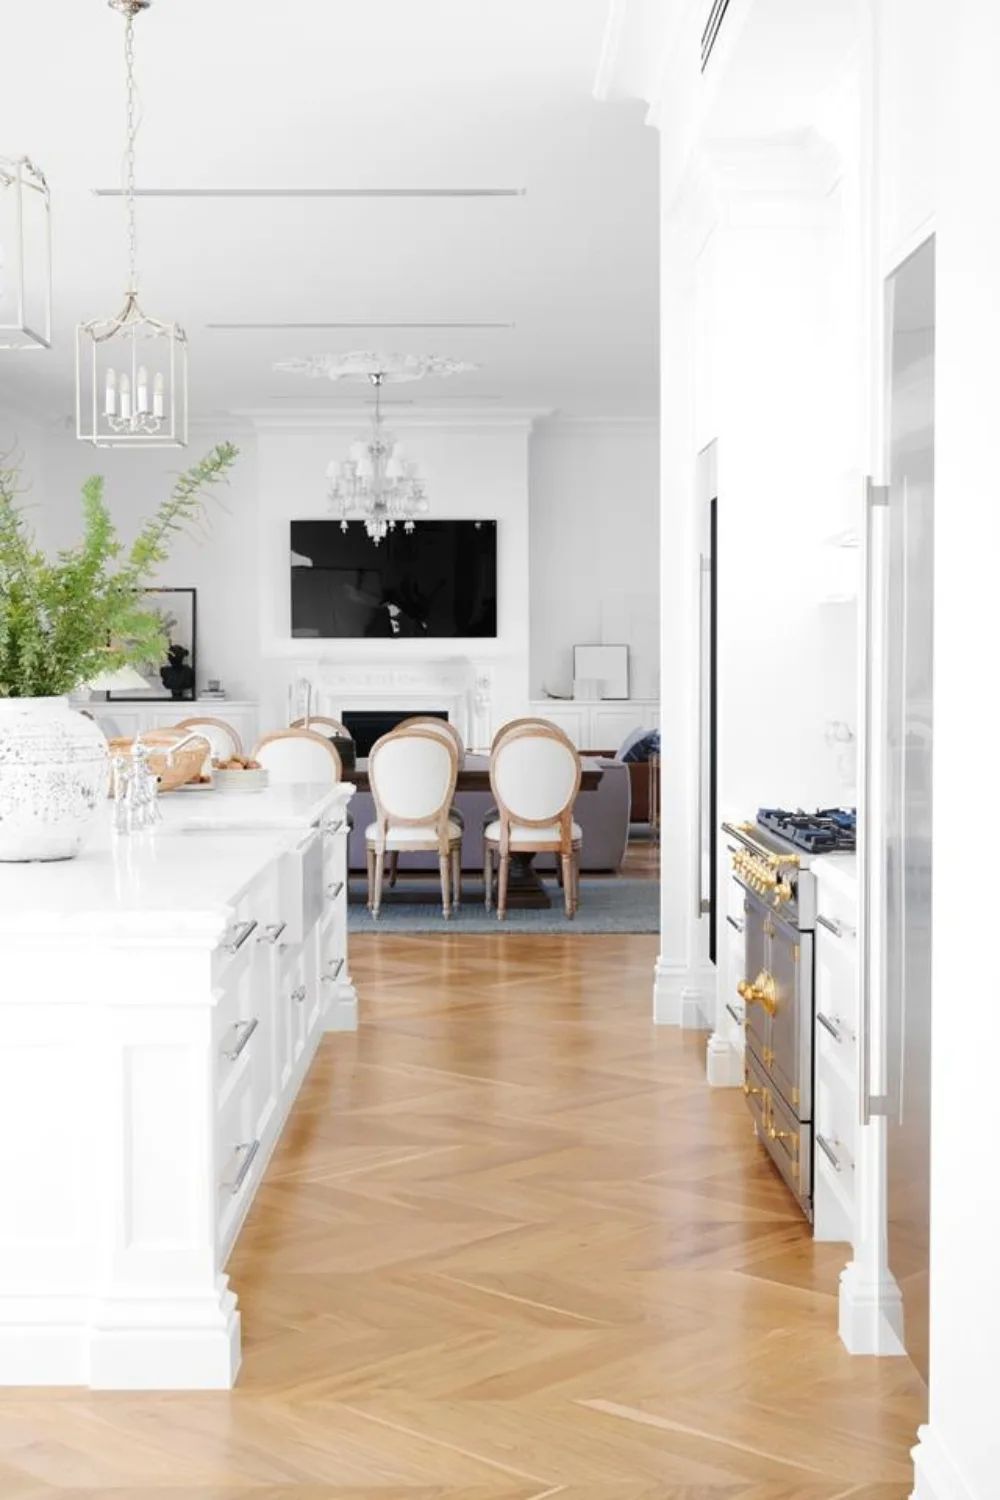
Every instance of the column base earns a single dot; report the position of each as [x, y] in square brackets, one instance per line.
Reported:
[723, 1063]
[934, 1472]
[681, 997]
[871, 1314]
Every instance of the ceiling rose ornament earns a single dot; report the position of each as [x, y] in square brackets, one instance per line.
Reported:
[131, 369]
[25, 256]
[361, 364]
[377, 482]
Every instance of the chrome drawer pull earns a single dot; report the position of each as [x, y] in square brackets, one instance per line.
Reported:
[830, 1026]
[828, 1152]
[330, 978]
[299, 993]
[733, 923]
[334, 890]
[740, 1020]
[250, 1148]
[246, 1030]
[272, 932]
[837, 928]
[238, 935]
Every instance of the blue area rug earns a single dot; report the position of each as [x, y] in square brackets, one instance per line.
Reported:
[607, 904]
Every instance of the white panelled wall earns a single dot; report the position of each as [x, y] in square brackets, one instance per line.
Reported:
[576, 505]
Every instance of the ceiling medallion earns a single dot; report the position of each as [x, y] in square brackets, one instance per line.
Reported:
[131, 369]
[363, 364]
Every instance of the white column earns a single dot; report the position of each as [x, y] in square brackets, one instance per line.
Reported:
[959, 1453]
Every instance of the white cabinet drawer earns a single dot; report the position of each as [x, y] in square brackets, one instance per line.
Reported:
[238, 1162]
[836, 987]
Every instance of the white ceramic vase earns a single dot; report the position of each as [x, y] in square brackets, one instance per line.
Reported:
[53, 779]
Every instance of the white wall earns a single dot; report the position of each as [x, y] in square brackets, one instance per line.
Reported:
[594, 540]
[221, 565]
[473, 469]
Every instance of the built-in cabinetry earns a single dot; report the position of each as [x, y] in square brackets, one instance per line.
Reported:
[598, 726]
[835, 997]
[163, 998]
[129, 719]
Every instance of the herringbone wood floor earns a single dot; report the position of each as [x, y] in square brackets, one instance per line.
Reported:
[511, 1247]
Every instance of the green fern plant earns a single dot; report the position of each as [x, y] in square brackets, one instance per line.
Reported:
[64, 622]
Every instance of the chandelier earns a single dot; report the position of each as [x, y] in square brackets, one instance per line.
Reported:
[131, 369]
[25, 256]
[377, 482]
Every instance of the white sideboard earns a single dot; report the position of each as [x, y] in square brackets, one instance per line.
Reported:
[598, 726]
[136, 717]
[163, 996]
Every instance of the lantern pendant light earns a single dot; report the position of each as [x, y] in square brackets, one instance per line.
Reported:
[25, 256]
[131, 369]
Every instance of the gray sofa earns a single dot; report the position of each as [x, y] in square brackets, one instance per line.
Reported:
[603, 816]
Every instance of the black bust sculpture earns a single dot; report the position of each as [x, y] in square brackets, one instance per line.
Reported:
[178, 678]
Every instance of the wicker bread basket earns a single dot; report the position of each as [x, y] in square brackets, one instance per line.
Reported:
[185, 765]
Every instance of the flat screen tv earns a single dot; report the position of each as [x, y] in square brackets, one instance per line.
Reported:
[438, 580]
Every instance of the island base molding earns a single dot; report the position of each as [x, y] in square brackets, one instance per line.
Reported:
[936, 1476]
[134, 1344]
[723, 1064]
[682, 996]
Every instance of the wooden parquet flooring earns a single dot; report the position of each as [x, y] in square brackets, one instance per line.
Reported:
[512, 1247]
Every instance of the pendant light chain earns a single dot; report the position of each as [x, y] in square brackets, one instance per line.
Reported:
[131, 130]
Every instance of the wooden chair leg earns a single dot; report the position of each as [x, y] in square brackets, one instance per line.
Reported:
[488, 876]
[559, 871]
[567, 883]
[456, 876]
[502, 892]
[379, 877]
[576, 881]
[393, 868]
[371, 876]
[445, 863]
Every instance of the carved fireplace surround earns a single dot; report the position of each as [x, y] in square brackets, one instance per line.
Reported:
[456, 686]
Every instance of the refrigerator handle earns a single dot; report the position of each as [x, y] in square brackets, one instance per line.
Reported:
[876, 498]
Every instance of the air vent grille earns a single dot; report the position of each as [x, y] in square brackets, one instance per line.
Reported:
[713, 25]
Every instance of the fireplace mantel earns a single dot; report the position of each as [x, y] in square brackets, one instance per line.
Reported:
[456, 685]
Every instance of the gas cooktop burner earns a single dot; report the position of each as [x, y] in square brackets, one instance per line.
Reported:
[832, 828]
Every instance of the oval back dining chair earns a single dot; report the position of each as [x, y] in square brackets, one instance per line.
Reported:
[535, 775]
[334, 725]
[223, 741]
[412, 775]
[291, 755]
[437, 726]
[529, 723]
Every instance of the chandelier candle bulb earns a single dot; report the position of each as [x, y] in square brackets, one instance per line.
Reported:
[142, 391]
[158, 396]
[111, 395]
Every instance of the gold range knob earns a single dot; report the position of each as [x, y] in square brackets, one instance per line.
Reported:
[761, 992]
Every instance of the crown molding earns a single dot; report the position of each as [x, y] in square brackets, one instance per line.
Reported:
[355, 419]
[558, 420]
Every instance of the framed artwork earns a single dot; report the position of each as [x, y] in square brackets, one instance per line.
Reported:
[175, 677]
[607, 666]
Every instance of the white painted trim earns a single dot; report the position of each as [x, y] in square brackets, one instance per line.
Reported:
[681, 996]
[871, 1313]
[723, 1063]
[342, 1009]
[935, 1473]
[334, 418]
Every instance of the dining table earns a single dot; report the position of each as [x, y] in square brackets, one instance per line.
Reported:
[525, 887]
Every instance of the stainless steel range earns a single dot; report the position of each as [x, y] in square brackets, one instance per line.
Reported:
[771, 860]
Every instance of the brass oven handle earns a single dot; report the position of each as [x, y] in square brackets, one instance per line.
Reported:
[754, 995]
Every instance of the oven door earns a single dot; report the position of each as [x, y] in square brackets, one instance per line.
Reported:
[756, 958]
[791, 1024]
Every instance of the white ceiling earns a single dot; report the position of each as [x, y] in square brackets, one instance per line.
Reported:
[349, 94]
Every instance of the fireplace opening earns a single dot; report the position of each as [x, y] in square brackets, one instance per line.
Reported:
[368, 725]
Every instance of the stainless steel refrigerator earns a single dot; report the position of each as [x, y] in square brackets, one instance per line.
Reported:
[905, 721]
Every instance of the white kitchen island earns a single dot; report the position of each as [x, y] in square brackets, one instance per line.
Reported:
[161, 999]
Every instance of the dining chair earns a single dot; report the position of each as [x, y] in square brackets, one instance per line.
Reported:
[446, 730]
[334, 725]
[535, 776]
[223, 741]
[529, 723]
[412, 775]
[291, 755]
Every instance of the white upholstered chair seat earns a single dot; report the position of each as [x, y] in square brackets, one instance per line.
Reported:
[522, 833]
[405, 837]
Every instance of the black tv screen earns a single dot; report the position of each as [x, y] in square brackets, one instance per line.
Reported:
[438, 580]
